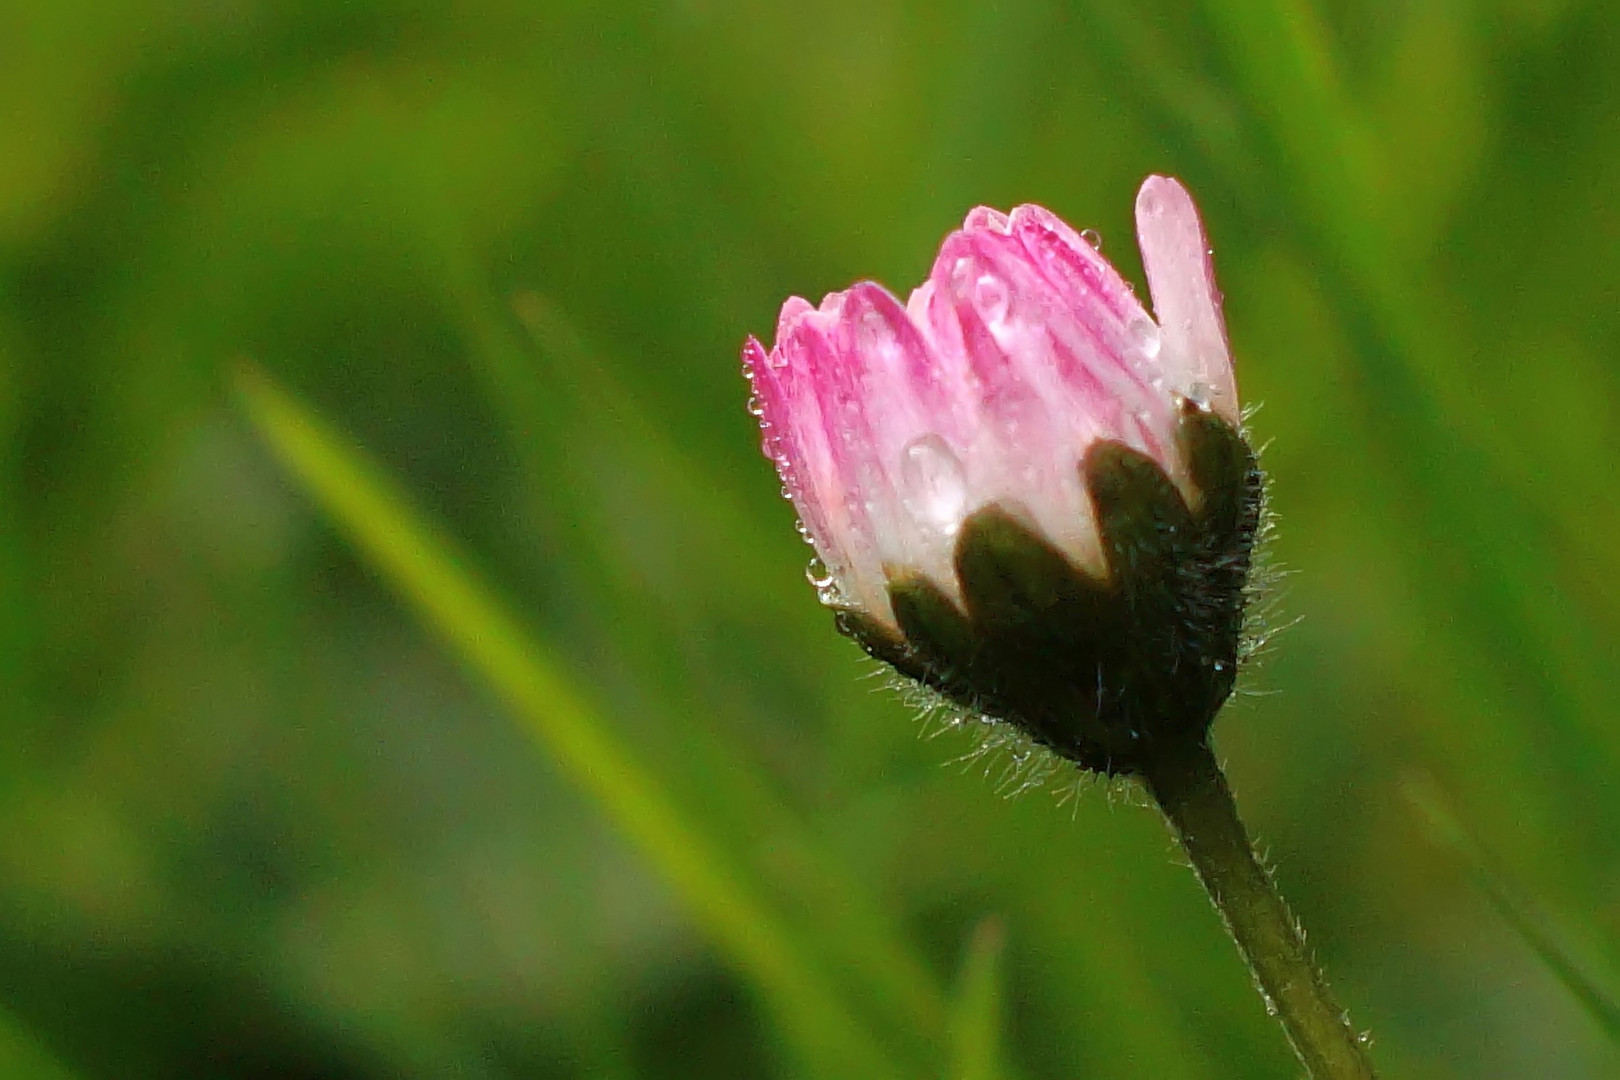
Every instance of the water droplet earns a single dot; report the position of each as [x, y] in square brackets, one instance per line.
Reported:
[825, 582]
[756, 407]
[990, 296]
[1142, 334]
[817, 574]
[935, 487]
[1092, 237]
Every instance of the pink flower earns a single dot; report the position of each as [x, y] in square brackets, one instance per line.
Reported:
[890, 423]
[1023, 380]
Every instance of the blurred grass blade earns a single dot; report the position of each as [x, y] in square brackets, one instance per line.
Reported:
[975, 1023]
[22, 1055]
[434, 579]
[1350, 197]
[567, 368]
[1444, 828]
[570, 357]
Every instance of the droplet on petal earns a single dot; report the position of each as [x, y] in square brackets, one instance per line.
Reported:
[1142, 334]
[935, 488]
[991, 297]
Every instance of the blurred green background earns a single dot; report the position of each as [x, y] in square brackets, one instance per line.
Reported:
[459, 708]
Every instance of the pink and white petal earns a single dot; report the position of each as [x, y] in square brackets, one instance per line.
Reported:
[984, 217]
[1072, 262]
[919, 387]
[919, 427]
[794, 308]
[858, 498]
[936, 321]
[1180, 272]
[821, 484]
[793, 438]
[1028, 445]
[1102, 358]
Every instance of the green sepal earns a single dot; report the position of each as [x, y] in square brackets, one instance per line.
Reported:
[880, 643]
[1107, 671]
[1010, 574]
[1042, 630]
[1146, 529]
[1224, 470]
[933, 625]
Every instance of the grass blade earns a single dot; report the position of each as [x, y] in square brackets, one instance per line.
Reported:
[1445, 830]
[21, 1054]
[557, 371]
[436, 582]
[975, 1023]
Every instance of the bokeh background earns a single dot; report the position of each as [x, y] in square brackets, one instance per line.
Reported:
[282, 798]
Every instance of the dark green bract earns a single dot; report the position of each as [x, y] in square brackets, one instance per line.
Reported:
[1105, 672]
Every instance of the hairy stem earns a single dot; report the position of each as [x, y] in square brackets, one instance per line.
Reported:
[1192, 791]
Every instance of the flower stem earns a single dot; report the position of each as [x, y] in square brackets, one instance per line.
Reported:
[1192, 791]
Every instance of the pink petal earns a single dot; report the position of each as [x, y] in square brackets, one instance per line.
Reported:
[1180, 273]
[1070, 260]
[851, 480]
[1030, 431]
[984, 217]
[1090, 368]
[919, 389]
[793, 438]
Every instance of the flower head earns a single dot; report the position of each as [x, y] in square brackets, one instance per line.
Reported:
[1025, 491]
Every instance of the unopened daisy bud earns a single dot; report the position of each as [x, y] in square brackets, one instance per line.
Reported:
[1024, 491]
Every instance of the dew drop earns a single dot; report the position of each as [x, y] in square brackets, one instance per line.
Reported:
[990, 296]
[817, 574]
[1143, 336]
[756, 407]
[1092, 237]
[935, 489]
[825, 582]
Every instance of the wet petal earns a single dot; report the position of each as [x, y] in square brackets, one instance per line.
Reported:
[1181, 275]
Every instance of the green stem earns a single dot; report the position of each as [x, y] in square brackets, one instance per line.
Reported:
[1196, 801]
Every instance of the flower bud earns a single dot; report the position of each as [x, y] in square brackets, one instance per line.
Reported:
[1024, 492]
